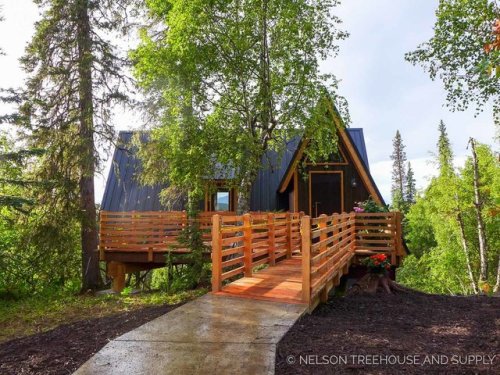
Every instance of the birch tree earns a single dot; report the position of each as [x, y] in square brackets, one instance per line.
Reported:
[228, 80]
[464, 53]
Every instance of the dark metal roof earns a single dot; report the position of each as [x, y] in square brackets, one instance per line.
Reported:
[123, 191]
[358, 139]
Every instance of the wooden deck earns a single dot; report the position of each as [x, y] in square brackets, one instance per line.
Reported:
[280, 283]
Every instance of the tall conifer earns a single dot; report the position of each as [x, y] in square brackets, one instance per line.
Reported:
[74, 77]
[398, 158]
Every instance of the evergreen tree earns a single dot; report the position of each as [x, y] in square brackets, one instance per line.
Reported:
[398, 158]
[411, 189]
[74, 76]
[445, 154]
[11, 164]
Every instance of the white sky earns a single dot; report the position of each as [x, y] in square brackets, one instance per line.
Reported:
[385, 93]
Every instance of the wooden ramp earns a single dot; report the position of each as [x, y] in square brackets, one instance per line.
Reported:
[280, 283]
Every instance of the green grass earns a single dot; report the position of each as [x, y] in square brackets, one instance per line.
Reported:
[39, 314]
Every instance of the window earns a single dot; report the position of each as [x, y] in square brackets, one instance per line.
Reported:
[221, 200]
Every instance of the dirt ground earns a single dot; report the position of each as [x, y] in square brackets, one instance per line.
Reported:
[65, 348]
[350, 335]
[395, 334]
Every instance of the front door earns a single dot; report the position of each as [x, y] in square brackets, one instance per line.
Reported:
[325, 193]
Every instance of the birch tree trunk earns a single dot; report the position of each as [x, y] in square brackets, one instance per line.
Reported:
[478, 205]
[496, 288]
[466, 252]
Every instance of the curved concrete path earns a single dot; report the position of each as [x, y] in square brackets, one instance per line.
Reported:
[210, 335]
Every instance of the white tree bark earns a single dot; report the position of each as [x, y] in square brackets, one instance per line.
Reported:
[478, 205]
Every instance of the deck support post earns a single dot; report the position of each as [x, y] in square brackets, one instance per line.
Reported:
[272, 253]
[305, 231]
[247, 244]
[116, 270]
[216, 254]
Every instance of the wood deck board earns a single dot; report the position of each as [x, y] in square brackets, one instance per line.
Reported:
[281, 283]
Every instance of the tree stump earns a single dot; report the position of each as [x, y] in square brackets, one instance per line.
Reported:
[372, 283]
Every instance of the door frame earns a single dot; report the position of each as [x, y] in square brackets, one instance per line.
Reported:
[341, 188]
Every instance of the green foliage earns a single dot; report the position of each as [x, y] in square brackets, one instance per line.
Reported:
[196, 272]
[370, 206]
[32, 237]
[440, 271]
[410, 189]
[399, 175]
[74, 77]
[445, 153]
[22, 317]
[456, 55]
[439, 262]
[228, 80]
[420, 234]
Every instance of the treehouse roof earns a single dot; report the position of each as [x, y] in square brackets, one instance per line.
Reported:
[123, 191]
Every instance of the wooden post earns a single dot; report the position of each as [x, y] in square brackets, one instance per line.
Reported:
[396, 234]
[288, 235]
[305, 231]
[335, 232]
[270, 233]
[352, 230]
[247, 244]
[116, 270]
[323, 296]
[216, 254]
[399, 230]
[301, 215]
[322, 235]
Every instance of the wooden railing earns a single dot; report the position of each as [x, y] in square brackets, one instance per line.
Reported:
[241, 243]
[329, 244]
[380, 233]
[148, 231]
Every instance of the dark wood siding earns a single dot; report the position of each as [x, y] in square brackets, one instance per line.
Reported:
[351, 194]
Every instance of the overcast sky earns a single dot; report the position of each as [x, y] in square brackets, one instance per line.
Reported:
[385, 93]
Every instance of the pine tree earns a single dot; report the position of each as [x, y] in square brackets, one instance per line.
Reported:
[411, 190]
[75, 76]
[398, 158]
[445, 154]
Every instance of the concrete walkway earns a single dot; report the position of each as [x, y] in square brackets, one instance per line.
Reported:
[210, 335]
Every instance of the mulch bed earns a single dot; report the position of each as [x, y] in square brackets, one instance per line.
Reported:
[426, 334]
[65, 348]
